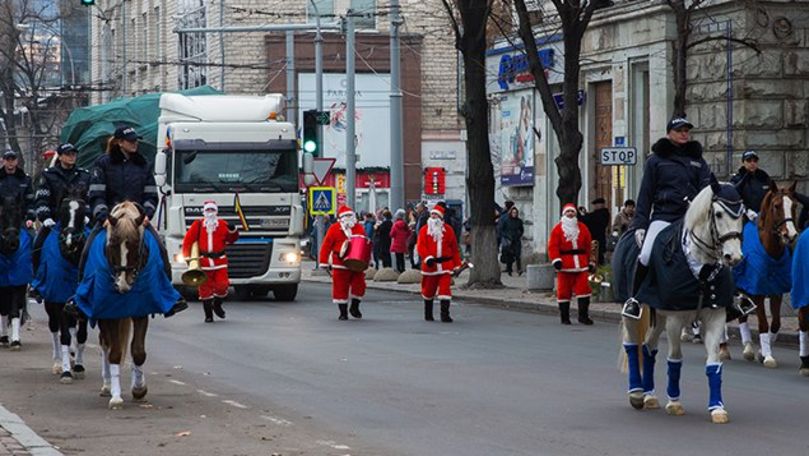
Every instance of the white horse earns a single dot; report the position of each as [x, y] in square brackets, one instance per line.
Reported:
[711, 237]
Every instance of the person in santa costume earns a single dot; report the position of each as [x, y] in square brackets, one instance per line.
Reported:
[569, 252]
[213, 235]
[438, 248]
[332, 254]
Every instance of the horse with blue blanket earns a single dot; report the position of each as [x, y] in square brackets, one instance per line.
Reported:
[56, 279]
[15, 269]
[800, 297]
[766, 268]
[122, 281]
[687, 280]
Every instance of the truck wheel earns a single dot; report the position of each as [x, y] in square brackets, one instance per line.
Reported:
[260, 291]
[285, 292]
[243, 292]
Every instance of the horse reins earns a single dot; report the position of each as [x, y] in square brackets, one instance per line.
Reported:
[135, 269]
[714, 250]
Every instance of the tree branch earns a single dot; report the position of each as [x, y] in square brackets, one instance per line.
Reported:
[454, 21]
[748, 43]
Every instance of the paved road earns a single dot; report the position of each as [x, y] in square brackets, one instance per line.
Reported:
[495, 382]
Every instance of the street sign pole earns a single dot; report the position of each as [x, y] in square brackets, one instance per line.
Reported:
[351, 157]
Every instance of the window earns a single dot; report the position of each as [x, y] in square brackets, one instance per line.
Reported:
[158, 53]
[193, 46]
[228, 170]
[144, 52]
[324, 8]
[368, 9]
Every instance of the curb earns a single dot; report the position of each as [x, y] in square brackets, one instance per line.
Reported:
[23, 434]
[785, 339]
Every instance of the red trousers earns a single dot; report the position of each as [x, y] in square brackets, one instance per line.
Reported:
[439, 286]
[344, 282]
[216, 285]
[570, 283]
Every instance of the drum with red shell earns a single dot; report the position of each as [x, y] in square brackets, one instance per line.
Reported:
[358, 254]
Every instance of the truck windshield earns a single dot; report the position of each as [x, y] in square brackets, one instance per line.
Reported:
[236, 171]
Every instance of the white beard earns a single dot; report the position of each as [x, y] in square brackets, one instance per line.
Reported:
[347, 224]
[570, 226]
[435, 228]
[211, 222]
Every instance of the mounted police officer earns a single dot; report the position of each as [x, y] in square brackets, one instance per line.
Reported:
[56, 182]
[752, 183]
[674, 174]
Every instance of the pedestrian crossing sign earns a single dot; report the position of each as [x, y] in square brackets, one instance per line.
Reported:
[322, 200]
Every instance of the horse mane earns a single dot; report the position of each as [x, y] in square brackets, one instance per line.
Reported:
[127, 214]
[699, 211]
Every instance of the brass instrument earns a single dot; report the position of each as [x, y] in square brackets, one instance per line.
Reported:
[194, 276]
[595, 276]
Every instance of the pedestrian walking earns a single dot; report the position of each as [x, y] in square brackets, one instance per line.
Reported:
[438, 248]
[569, 252]
[399, 234]
[212, 235]
[382, 238]
[345, 282]
[511, 243]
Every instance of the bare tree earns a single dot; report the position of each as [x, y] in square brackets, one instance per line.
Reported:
[574, 17]
[469, 20]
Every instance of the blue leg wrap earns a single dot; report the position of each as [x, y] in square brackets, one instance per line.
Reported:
[649, 370]
[673, 390]
[714, 373]
[633, 367]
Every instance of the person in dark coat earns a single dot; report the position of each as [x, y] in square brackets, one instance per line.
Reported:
[624, 218]
[501, 218]
[673, 175]
[752, 183]
[15, 183]
[511, 245]
[598, 223]
[451, 218]
[382, 238]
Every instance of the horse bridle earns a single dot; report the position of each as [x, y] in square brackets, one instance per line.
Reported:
[136, 268]
[714, 250]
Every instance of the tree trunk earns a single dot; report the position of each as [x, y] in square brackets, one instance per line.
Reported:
[680, 58]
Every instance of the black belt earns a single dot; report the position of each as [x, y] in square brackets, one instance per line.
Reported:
[572, 252]
[213, 254]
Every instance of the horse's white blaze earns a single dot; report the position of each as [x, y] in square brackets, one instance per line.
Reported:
[792, 233]
[74, 206]
[121, 282]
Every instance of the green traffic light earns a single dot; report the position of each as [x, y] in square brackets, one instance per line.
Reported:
[88, 2]
[309, 146]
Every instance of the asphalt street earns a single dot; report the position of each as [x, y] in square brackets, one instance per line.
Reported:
[495, 382]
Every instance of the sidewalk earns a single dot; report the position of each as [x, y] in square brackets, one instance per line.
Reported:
[515, 296]
[17, 439]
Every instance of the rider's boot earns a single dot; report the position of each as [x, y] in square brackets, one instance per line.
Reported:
[632, 307]
[179, 306]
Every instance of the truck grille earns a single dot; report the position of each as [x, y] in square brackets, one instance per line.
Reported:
[248, 259]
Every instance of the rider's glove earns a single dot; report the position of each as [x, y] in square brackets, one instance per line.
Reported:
[751, 215]
[48, 222]
[640, 235]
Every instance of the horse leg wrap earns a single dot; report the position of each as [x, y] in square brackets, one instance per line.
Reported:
[138, 377]
[80, 354]
[65, 358]
[773, 336]
[766, 348]
[633, 366]
[55, 345]
[3, 325]
[15, 329]
[673, 389]
[744, 330]
[105, 367]
[649, 370]
[714, 373]
[803, 336]
[73, 339]
[115, 380]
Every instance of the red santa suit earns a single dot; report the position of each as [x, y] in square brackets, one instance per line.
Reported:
[570, 245]
[436, 278]
[213, 236]
[332, 252]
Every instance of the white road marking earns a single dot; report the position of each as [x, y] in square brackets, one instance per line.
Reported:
[235, 404]
[207, 394]
[278, 421]
[177, 382]
[333, 444]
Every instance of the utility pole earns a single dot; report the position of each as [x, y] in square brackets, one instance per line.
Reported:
[351, 157]
[397, 199]
[222, 43]
[290, 60]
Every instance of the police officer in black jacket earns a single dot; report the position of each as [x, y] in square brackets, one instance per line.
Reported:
[14, 182]
[674, 174]
[752, 183]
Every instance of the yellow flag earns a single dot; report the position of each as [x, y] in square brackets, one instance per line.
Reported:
[237, 207]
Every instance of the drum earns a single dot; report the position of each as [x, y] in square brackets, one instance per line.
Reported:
[358, 254]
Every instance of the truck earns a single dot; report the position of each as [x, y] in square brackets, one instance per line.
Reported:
[237, 151]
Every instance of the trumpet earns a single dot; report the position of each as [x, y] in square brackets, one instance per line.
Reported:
[595, 277]
[194, 276]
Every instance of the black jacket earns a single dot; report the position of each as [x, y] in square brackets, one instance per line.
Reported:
[752, 187]
[55, 183]
[19, 186]
[673, 175]
[115, 179]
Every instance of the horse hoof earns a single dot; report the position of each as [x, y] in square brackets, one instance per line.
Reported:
[724, 353]
[139, 393]
[636, 399]
[116, 403]
[57, 368]
[749, 353]
[78, 371]
[105, 391]
[651, 403]
[675, 408]
[719, 416]
[770, 362]
[66, 378]
[804, 371]
[15, 345]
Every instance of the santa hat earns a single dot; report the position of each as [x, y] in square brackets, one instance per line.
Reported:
[343, 211]
[438, 210]
[569, 206]
[209, 205]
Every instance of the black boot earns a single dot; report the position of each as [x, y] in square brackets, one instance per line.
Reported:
[584, 311]
[217, 307]
[343, 311]
[355, 308]
[564, 312]
[632, 307]
[207, 306]
[428, 310]
[445, 311]
[178, 307]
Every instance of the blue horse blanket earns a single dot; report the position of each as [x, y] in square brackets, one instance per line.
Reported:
[151, 293]
[56, 279]
[18, 269]
[800, 272]
[759, 273]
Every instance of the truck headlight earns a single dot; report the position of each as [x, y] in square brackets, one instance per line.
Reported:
[290, 257]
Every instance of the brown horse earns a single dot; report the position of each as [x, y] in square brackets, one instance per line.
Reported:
[776, 229]
[124, 250]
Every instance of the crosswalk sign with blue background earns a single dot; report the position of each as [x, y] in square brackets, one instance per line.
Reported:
[322, 200]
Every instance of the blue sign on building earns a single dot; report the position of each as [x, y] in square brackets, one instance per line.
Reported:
[513, 66]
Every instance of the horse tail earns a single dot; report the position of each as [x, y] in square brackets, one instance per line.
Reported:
[124, 333]
[639, 329]
[622, 359]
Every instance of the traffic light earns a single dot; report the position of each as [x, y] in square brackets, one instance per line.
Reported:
[88, 2]
[310, 141]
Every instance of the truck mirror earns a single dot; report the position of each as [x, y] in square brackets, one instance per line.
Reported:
[160, 168]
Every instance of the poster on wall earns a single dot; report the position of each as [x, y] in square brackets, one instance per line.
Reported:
[512, 137]
[372, 116]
